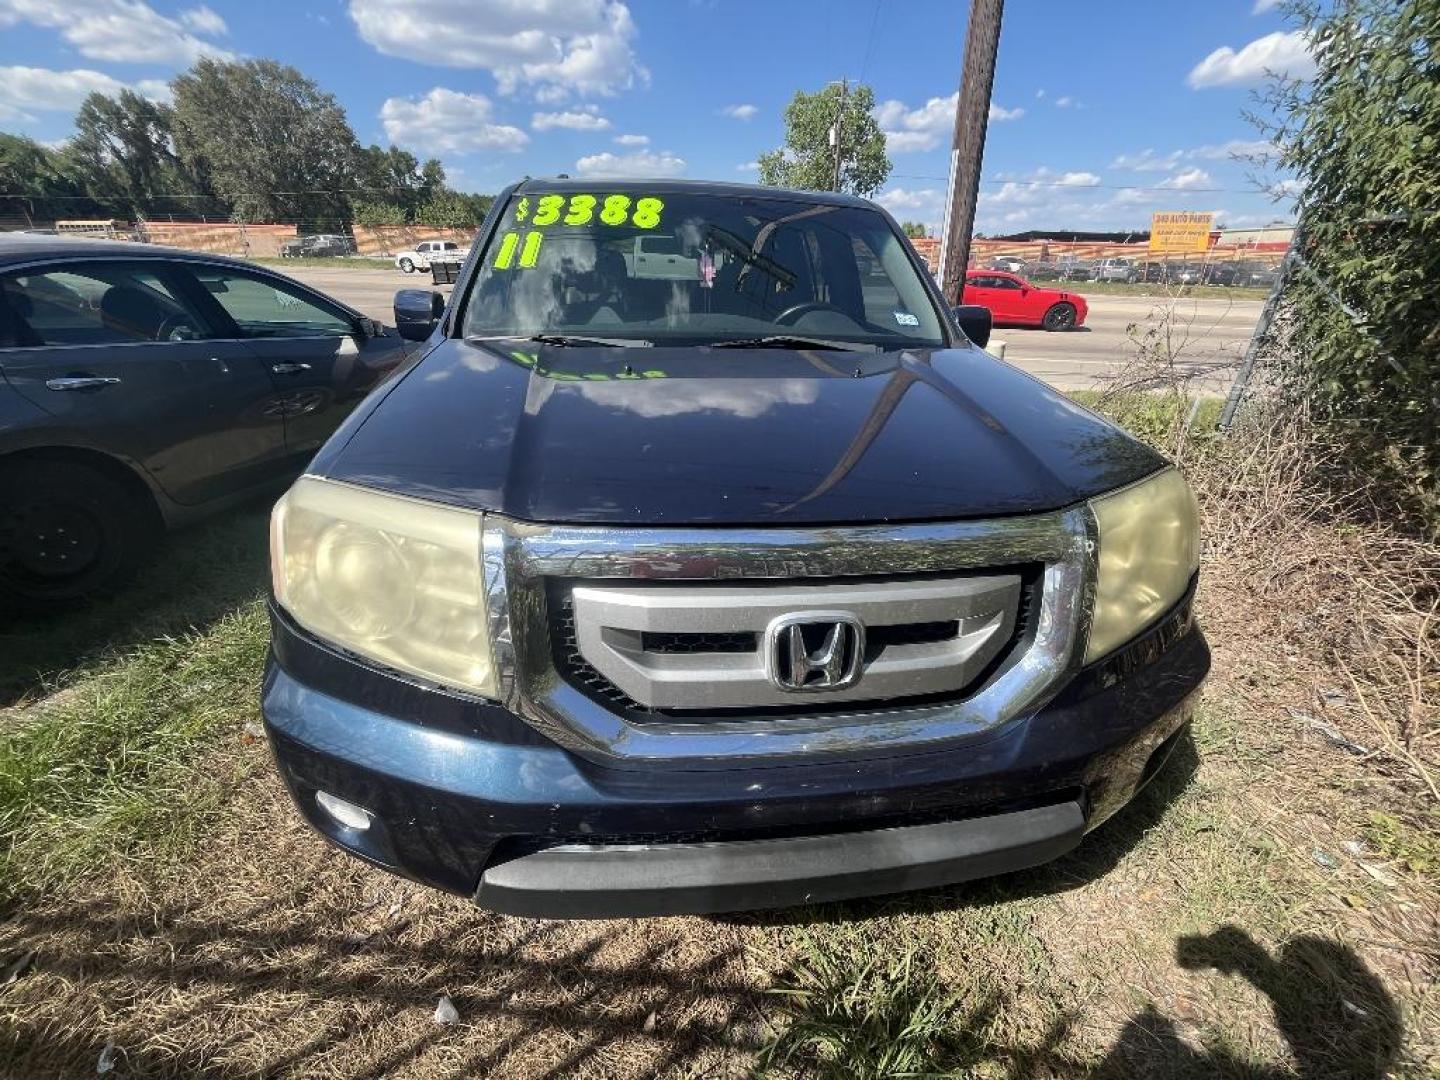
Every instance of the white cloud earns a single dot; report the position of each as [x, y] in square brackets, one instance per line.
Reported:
[204, 21]
[554, 47]
[1064, 102]
[1077, 179]
[127, 31]
[1148, 161]
[632, 140]
[1283, 53]
[1241, 148]
[740, 112]
[445, 121]
[1262, 6]
[642, 163]
[900, 200]
[748, 166]
[583, 118]
[27, 90]
[923, 128]
[157, 90]
[1188, 180]
[1040, 95]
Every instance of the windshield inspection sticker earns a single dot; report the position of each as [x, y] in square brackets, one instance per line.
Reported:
[904, 318]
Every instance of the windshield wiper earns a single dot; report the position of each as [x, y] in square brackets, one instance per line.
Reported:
[571, 339]
[792, 341]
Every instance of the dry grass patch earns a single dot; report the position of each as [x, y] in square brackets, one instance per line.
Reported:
[1267, 908]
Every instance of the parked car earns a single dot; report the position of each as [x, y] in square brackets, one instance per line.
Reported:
[143, 387]
[1188, 274]
[1153, 272]
[1014, 301]
[1040, 271]
[419, 257]
[318, 245]
[1072, 269]
[759, 587]
[1115, 270]
[1221, 273]
[1257, 275]
[1008, 263]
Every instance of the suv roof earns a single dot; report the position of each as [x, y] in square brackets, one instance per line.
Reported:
[689, 187]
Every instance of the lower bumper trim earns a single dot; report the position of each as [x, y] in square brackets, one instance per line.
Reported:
[588, 882]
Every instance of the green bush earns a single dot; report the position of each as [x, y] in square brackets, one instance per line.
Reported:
[1363, 319]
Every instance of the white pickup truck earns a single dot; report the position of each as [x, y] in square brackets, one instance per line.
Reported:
[419, 257]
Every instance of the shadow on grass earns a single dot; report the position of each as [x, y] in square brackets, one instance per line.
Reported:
[196, 576]
[508, 993]
[1333, 1012]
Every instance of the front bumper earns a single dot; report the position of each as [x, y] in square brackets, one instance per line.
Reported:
[466, 797]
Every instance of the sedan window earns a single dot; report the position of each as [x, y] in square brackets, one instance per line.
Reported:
[95, 304]
[1004, 283]
[266, 307]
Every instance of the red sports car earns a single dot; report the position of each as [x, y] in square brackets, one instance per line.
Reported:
[1013, 301]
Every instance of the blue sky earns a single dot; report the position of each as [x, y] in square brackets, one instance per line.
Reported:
[1101, 113]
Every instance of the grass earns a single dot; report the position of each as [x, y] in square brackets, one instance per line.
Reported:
[352, 262]
[1266, 908]
[1196, 292]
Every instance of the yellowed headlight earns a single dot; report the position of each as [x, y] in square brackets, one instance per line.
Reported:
[1149, 550]
[393, 579]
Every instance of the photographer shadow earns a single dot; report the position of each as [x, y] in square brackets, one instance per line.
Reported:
[1337, 1018]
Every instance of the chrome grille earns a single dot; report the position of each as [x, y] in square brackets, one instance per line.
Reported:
[547, 677]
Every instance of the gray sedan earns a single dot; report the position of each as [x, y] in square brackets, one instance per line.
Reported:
[141, 387]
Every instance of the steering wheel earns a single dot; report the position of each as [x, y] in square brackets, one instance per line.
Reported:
[170, 329]
[793, 314]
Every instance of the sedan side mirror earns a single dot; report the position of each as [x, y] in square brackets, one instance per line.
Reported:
[416, 312]
[975, 321]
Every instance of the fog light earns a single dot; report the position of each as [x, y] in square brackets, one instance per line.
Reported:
[346, 813]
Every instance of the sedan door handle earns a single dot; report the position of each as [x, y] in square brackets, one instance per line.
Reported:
[81, 382]
[289, 369]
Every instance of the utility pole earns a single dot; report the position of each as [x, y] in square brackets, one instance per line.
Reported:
[972, 114]
[837, 133]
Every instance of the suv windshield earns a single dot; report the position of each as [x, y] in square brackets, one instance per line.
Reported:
[690, 268]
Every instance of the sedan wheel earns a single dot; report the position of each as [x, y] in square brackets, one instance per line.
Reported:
[66, 531]
[407, 266]
[1060, 317]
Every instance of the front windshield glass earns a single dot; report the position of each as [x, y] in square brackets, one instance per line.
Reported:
[689, 269]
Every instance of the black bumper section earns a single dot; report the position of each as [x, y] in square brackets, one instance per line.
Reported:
[693, 879]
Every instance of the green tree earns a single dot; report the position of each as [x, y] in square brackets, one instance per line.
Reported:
[43, 187]
[915, 229]
[1363, 139]
[269, 140]
[123, 155]
[452, 210]
[807, 160]
[368, 212]
[396, 177]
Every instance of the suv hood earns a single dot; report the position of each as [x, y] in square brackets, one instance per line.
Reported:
[702, 436]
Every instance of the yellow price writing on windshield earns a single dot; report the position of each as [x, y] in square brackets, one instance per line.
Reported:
[583, 209]
[529, 248]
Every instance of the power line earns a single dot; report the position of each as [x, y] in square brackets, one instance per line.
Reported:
[1088, 187]
[870, 40]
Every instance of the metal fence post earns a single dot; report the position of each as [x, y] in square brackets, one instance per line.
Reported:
[1257, 339]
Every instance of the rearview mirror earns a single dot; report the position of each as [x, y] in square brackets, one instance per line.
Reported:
[416, 312]
[975, 321]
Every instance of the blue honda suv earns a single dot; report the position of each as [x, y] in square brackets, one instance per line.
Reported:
[705, 562]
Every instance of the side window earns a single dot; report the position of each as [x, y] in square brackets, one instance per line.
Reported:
[1004, 283]
[95, 304]
[981, 281]
[265, 307]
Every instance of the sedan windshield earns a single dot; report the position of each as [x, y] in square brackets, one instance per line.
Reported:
[692, 269]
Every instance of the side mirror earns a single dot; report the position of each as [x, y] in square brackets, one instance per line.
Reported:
[975, 321]
[416, 312]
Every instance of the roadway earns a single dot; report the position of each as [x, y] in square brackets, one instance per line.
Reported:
[1208, 337]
